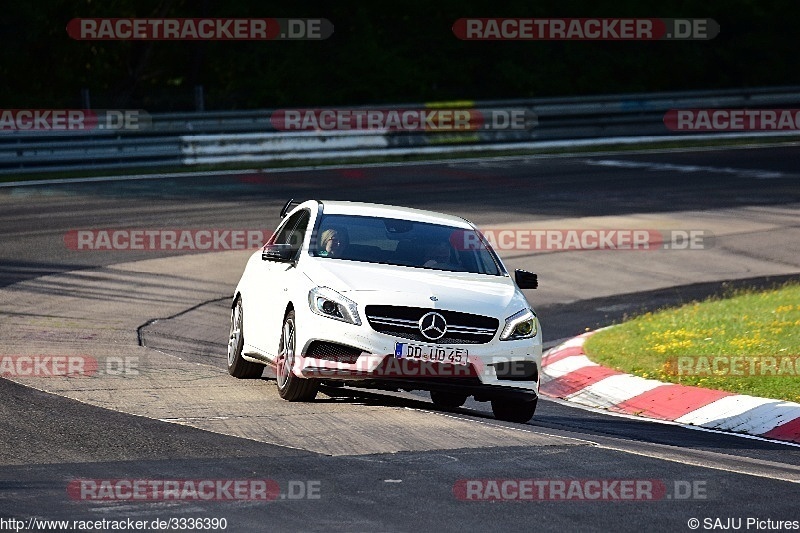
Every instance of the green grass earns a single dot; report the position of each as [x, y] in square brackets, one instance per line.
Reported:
[754, 325]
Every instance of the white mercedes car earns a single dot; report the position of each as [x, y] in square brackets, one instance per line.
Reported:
[377, 296]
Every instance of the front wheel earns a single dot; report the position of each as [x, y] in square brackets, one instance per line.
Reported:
[237, 366]
[520, 411]
[291, 387]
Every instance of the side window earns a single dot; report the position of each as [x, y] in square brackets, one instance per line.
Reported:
[294, 230]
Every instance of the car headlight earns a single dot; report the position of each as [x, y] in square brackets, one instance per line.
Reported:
[329, 303]
[521, 325]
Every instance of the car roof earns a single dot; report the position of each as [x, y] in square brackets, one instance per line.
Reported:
[336, 207]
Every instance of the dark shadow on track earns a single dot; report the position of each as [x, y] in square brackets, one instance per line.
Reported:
[537, 186]
[15, 271]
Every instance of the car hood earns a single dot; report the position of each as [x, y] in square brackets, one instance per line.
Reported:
[398, 285]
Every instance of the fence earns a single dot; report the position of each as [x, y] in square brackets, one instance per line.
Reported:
[212, 138]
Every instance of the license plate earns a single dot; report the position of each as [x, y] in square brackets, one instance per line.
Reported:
[430, 352]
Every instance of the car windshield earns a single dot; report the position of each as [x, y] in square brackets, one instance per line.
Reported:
[403, 242]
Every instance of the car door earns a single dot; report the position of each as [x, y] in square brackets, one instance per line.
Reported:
[274, 281]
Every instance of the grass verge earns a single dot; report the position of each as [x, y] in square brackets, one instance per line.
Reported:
[747, 342]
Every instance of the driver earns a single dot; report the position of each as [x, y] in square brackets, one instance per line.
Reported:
[439, 255]
[333, 242]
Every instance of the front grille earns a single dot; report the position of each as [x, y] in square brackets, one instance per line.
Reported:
[333, 352]
[462, 328]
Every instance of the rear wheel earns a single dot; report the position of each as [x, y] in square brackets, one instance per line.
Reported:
[519, 411]
[291, 387]
[237, 366]
[448, 400]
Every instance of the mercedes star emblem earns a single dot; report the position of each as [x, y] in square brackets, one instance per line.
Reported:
[433, 326]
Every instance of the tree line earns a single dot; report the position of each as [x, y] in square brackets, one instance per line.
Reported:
[379, 53]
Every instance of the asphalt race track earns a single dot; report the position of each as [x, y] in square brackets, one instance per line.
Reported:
[161, 405]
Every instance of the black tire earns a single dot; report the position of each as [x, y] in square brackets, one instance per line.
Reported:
[290, 387]
[520, 411]
[237, 366]
[448, 400]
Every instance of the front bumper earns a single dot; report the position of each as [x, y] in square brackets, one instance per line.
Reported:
[495, 369]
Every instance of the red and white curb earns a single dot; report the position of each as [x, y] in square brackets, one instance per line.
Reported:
[568, 374]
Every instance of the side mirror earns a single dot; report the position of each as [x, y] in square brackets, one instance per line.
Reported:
[526, 280]
[281, 253]
[288, 207]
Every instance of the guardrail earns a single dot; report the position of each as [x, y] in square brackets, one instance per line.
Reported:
[178, 139]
